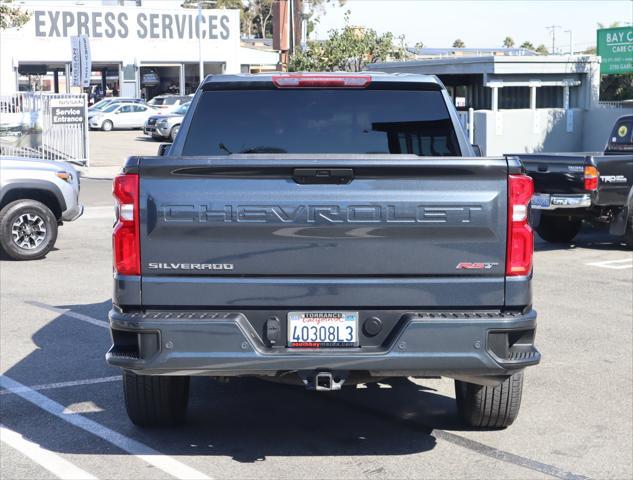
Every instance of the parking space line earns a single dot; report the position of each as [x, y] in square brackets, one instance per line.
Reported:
[69, 313]
[58, 466]
[133, 447]
[621, 264]
[74, 383]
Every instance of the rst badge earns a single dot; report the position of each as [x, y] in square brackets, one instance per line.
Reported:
[476, 265]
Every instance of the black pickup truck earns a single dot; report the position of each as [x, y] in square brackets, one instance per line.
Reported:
[322, 229]
[596, 188]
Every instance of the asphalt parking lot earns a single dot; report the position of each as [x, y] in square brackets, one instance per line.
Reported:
[57, 393]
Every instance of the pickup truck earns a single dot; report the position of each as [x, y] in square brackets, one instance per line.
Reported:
[322, 229]
[594, 187]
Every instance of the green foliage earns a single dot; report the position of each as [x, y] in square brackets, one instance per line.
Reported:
[616, 87]
[459, 43]
[349, 49]
[419, 45]
[528, 45]
[508, 42]
[542, 50]
[12, 17]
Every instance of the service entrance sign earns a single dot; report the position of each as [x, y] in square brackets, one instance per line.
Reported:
[68, 111]
[615, 46]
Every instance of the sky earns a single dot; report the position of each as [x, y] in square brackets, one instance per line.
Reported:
[481, 23]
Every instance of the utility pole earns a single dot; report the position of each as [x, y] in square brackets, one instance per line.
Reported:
[553, 28]
[571, 41]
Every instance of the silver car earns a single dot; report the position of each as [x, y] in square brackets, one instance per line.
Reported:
[120, 115]
[165, 126]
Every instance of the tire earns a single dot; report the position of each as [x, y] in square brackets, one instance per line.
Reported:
[558, 229]
[28, 230]
[174, 132]
[490, 407]
[155, 401]
[107, 125]
[628, 234]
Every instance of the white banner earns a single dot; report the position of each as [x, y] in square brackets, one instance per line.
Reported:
[86, 60]
[75, 66]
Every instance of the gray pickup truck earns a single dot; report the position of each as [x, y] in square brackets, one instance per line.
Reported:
[322, 229]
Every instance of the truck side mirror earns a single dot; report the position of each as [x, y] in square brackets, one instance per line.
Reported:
[477, 150]
[163, 149]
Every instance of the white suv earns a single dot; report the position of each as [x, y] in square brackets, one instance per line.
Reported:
[36, 196]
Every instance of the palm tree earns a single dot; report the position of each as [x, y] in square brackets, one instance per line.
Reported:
[508, 42]
[528, 45]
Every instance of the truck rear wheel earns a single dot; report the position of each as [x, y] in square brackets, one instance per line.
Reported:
[490, 407]
[155, 401]
[558, 229]
[628, 234]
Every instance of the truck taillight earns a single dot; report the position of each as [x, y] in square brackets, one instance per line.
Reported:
[321, 81]
[520, 235]
[125, 237]
[591, 178]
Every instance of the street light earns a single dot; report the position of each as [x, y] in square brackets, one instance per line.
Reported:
[571, 41]
[200, 62]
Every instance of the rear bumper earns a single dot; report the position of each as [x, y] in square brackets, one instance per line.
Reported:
[566, 201]
[456, 344]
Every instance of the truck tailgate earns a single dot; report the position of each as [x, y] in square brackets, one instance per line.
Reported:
[556, 173]
[231, 230]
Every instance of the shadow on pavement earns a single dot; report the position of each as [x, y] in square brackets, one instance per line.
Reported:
[588, 238]
[246, 419]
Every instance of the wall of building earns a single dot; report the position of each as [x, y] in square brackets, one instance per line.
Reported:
[527, 131]
[598, 125]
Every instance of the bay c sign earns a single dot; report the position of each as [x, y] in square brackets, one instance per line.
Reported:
[615, 46]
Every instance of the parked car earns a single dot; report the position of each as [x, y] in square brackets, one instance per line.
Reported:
[121, 115]
[102, 104]
[325, 229]
[36, 196]
[591, 187]
[167, 102]
[166, 126]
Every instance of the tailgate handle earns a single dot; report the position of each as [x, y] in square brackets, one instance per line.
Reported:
[326, 176]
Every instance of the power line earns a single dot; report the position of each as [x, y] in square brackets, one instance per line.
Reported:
[553, 28]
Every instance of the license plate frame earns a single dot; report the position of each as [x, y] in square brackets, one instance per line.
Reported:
[541, 201]
[322, 329]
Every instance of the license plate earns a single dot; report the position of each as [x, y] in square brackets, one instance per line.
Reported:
[541, 200]
[322, 329]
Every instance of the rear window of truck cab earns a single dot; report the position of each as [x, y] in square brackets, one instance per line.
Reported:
[312, 121]
[621, 139]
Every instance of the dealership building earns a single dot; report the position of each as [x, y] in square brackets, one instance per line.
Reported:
[137, 48]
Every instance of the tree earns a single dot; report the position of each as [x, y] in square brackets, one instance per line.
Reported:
[616, 87]
[419, 45]
[611, 25]
[459, 43]
[528, 45]
[350, 49]
[12, 17]
[542, 50]
[508, 42]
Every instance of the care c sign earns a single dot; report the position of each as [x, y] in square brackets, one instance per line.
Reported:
[615, 46]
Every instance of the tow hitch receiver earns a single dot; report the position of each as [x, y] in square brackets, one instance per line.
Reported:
[323, 381]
